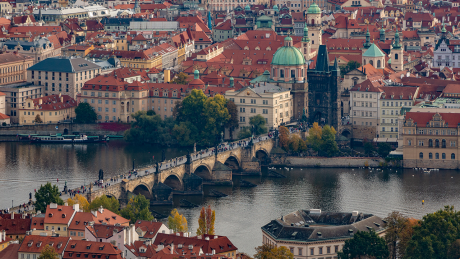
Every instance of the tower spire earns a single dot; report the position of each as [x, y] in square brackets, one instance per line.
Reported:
[396, 44]
[305, 34]
[367, 44]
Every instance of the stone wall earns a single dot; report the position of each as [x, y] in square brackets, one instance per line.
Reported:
[46, 129]
[427, 163]
[364, 132]
[325, 161]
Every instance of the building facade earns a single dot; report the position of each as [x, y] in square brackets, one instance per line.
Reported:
[47, 109]
[13, 67]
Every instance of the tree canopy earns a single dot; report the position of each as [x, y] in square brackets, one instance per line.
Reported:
[322, 140]
[48, 252]
[147, 128]
[177, 222]
[259, 127]
[267, 251]
[346, 68]
[46, 195]
[284, 138]
[80, 200]
[137, 209]
[399, 232]
[206, 221]
[436, 235]
[364, 245]
[232, 122]
[180, 78]
[85, 113]
[111, 204]
[384, 149]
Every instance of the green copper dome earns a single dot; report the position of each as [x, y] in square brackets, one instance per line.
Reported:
[288, 56]
[314, 9]
[374, 52]
[275, 7]
[247, 8]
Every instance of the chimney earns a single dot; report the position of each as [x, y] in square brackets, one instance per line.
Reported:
[94, 213]
[3, 236]
[12, 215]
[172, 248]
[101, 210]
[76, 207]
[40, 101]
[62, 99]
[167, 76]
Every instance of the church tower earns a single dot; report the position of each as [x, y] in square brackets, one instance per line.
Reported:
[397, 58]
[306, 45]
[314, 26]
[367, 44]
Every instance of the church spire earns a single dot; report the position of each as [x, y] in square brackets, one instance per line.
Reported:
[305, 34]
[367, 44]
[396, 44]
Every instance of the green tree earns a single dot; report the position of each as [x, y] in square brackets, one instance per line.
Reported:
[185, 133]
[267, 251]
[232, 122]
[296, 144]
[399, 231]
[384, 149]
[48, 252]
[111, 204]
[38, 119]
[454, 250]
[177, 222]
[216, 115]
[329, 146]
[364, 245]
[351, 65]
[435, 235]
[180, 79]
[284, 138]
[147, 128]
[368, 148]
[245, 132]
[46, 195]
[137, 209]
[85, 113]
[259, 124]
[206, 221]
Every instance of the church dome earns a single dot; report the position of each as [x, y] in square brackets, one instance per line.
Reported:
[247, 8]
[314, 9]
[275, 7]
[288, 55]
[196, 83]
[373, 52]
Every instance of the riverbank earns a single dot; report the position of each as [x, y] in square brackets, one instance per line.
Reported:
[328, 162]
[89, 129]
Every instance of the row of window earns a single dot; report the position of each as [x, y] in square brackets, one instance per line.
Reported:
[390, 112]
[367, 104]
[58, 228]
[391, 129]
[41, 113]
[363, 114]
[430, 143]
[432, 132]
[312, 250]
[396, 104]
[436, 156]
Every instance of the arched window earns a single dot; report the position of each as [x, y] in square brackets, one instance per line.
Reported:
[430, 143]
[430, 155]
[396, 56]
[443, 145]
[436, 143]
[379, 63]
[420, 155]
[443, 156]
[313, 21]
[437, 155]
[371, 62]
[452, 156]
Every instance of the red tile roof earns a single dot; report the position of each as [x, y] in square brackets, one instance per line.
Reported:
[422, 118]
[80, 248]
[60, 215]
[220, 244]
[150, 228]
[104, 231]
[106, 216]
[80, 221]
[35, 244]
[451, 89]
[16, 226]
[38, 223]
[11, 251]
[53, 102]
[398, 92]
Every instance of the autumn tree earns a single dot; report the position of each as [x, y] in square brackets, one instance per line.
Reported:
[267, 251]
[435, 235]
[80, 200]
[314, 137]
[206, 221]
[177, 222]
[46, 195]
[364, 245]
[232, 122]
[180, 79]
[284, 138]
[48, 252]
[38, 119]
[137, 209]
[105, 202]
[328, 146]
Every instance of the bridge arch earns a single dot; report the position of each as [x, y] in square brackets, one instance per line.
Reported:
[346, 133]
[174, 182]
[263, 156]
[144, 190]
[204, 172]
[232, 162]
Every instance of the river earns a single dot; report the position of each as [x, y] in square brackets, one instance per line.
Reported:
[241, 214]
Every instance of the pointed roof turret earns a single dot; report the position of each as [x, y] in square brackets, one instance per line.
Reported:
[443, 30]
[305, 34]
[367, 44]
[397, 43]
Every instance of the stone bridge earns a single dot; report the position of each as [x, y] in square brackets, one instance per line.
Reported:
[188, 176]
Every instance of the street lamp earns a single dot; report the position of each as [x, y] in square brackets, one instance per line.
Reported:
[221, 137]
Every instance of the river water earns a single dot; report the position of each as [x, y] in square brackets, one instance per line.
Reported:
[241, 214]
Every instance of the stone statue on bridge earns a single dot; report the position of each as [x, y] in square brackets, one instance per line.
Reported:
[101, 174]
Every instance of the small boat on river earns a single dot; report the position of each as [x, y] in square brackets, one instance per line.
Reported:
[69, 139]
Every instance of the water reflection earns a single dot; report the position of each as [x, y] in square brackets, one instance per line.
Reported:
[245, 210]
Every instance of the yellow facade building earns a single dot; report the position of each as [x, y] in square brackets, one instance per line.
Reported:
[47, 109]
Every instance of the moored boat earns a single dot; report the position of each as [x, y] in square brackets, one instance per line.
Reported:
[69, 139]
